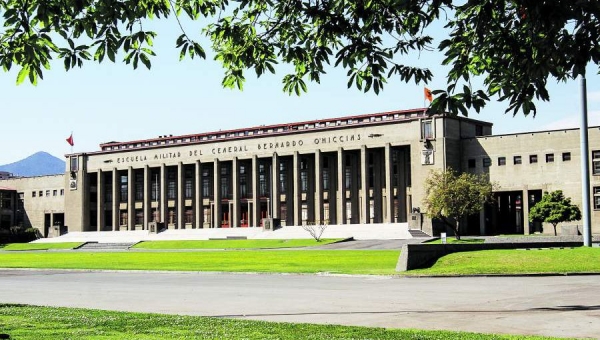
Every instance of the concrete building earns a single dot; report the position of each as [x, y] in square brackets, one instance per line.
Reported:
[365, 169]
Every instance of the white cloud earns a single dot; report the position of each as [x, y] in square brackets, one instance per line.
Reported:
[573, 121]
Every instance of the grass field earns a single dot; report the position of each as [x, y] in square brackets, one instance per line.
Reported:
[232, 244]
[40, 246]
[41, 323]
[576, 260]
[274, 261]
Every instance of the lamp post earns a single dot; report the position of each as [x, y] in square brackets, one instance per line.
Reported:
[585, 168]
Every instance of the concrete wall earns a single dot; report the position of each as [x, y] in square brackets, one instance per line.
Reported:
[51, 201]
[545, 176]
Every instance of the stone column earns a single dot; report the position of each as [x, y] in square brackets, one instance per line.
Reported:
[216, 194]
[341, 192]
[100, 198]
[388, 209]
[147, 197]
[364, 190]
[116, 199]
[402, 200]
[235, 214]
[525, 203]
[378, 165]
[255, 203]
[163, 196]
[180, 207]
[318, 188]
[198, 207]
[296, 196]
[130, 200]
[275, 195]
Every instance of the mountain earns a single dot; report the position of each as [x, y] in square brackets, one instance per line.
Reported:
[38, 164]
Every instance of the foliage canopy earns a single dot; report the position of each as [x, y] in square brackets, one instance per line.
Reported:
[514, 46]
[554, 208]
[453, 196]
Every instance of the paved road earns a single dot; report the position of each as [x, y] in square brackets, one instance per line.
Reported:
[556, 306]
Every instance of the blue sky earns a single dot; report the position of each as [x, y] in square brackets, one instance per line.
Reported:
[113, 102]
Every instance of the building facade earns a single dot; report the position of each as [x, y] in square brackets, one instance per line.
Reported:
[365, 169]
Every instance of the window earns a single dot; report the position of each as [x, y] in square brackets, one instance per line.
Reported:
[54, 192]
[171, 183]
[282, 178]
[472, 163]
[303, 175]
[262, 181]
[33, 194]
[596, 198]
[532, 159]
[325, 179]
[139, 187]
[517, 160]
[427, 129]
[487, 162]
[596, 162]
[566, 156]
[139, 216]
[188, 217]
[123, 217]
[549, 157]
[243, 182]
[41, 193]
[62, 192]
[206, 182]
[47, 193]
[501, 161]
[124, 187]
[188, 183]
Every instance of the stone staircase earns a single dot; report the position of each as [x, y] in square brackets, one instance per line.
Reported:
[418, 233]
[96, 246]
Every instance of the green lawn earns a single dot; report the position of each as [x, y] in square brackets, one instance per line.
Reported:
[232, 244]
[576, 260]
[275, 261]
[39, 323]
[41, 246]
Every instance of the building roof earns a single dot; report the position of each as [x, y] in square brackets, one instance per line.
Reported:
[7, 189]
[270, 130]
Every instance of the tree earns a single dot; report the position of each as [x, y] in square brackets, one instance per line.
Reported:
[453, 196]
[554, 208]
[514, 46]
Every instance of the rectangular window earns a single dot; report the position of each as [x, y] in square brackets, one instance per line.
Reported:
[41, 193]
[532, 159]
[487, 162]
[282, 178]
[124, 188]
[566, 156]
[427, 129]
[348, 177]
[123, 217]
[472, 163]
[325, 179]
[139, 216]
[47, 193]
[139, 187]
[262, 181]
[549, 157]
[189, 186]
[33, 194]
[188, 218]
[596, 162]
[62, 192]
[501, 161]
[171, 184]
[206, 182]
[596, 198]
[517, 160]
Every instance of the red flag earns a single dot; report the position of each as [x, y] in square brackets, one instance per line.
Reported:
[70, 140]
[428, 94]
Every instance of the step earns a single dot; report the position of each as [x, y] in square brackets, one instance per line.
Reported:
[106, 246]
[418, 233]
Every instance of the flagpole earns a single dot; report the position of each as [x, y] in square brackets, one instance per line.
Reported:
[71, 144]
